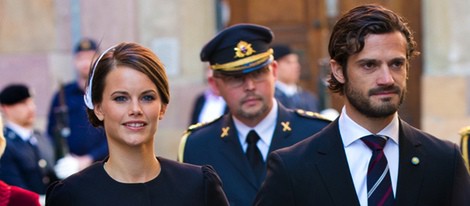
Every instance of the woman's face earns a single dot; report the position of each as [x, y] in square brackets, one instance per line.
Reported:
[131, 107]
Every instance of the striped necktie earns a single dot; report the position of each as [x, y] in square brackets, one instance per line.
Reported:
[379, 184]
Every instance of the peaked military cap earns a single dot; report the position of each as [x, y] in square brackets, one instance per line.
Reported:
[241, 48]
[85, 44]
[14, 93]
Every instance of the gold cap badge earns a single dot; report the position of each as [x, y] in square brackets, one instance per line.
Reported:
[243, 49]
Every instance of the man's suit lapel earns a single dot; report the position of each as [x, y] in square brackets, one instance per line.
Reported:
[333, 167]
[232, 151]
[412, 164]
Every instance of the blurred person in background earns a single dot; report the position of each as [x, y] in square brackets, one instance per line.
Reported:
[208, 105]
[77, 142]
[13, 195]
[288, 92]
[29, 158]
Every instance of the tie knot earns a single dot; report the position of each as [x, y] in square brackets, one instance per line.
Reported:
[252, 137]
[375, 142]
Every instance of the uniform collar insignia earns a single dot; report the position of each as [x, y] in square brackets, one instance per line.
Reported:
[286, 126]
[224, 132]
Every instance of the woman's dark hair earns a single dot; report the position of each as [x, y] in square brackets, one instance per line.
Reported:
[131, 55]
[349, 33]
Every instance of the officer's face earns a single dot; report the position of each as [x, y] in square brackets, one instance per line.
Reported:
[83, 61]
[22, 113]
[376, 77]
[288, 69]
[130, 109]
[249, 96]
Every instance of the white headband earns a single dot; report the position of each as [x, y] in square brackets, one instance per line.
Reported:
[87, 96]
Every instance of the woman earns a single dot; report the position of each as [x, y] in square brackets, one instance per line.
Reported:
[12, 195]
[127, 94]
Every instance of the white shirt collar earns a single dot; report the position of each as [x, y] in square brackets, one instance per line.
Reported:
[289, 90]
[24, 133]
[351, 131]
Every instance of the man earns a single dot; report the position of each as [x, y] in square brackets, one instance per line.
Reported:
[28, 159]
[370, 48]
[68, 123]
[237, 144]
[288, 74]
[208, 106]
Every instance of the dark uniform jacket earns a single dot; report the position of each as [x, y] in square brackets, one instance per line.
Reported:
[84, 139]
[316, 172]
[23, 166]
[217, 144]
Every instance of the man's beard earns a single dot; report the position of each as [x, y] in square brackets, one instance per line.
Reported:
[365, 106]
[253, 115]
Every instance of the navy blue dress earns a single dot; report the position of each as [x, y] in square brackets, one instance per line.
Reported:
[177, 184]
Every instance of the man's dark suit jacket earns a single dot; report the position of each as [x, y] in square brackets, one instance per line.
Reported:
[19, 165]
[208, 144]
[316, 172]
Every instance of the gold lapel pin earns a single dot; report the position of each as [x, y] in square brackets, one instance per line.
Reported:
[415, 161]
[224, 132]
[286, 126]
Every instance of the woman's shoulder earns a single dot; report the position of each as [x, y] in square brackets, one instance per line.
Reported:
[76, 182]
[21, 196]
[187, 170]
[12, 195]
[175, 166]
[202, 181]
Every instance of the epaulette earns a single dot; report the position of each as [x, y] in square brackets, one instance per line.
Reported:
[465, 131]
[311, 115]
[465, 134]
[199, 125]
[186, 134]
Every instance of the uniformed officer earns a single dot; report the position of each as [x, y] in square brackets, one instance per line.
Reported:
[287, 91]
[28, 159]
[237, 144]
[77, 143]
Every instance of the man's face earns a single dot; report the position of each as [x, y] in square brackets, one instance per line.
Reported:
[22, 113]
[248, 96]
[376, 76]
[82, 63]
[288, 69]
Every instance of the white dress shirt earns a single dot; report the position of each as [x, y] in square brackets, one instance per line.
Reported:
[213, 107]
[264, 129]
[289, 90]
[358, 154]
